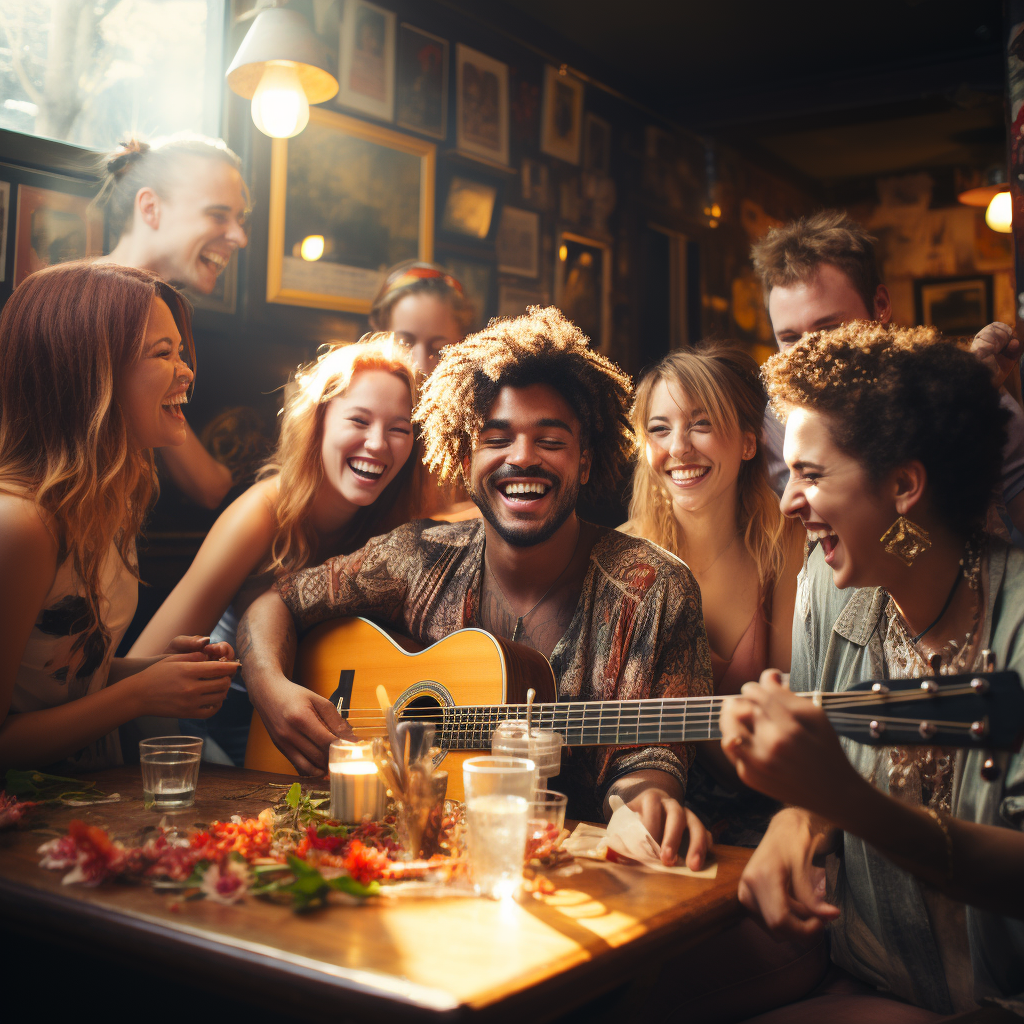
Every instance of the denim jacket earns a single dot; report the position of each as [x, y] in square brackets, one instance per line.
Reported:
[884, 934]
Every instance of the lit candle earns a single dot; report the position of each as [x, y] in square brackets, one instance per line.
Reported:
[357, 793]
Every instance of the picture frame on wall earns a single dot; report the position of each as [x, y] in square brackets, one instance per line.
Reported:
[957, 306]
[518, 242]
[5, 217]
[470, 207]
[348, 199]
[513, 300]
[421, 90]
[561, 123]
[477, 278]
[53, 227]
[597, 144]
[481, 105]
[366, 58]
[583, 285]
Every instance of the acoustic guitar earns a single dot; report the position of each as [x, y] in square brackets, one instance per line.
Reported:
[471, 681]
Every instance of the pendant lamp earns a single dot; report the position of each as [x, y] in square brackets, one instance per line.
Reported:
[282, 67]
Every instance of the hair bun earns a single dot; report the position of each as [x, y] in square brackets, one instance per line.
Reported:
[126, 154]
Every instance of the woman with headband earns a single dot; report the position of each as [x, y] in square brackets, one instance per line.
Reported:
[178, 209]
[426, 309]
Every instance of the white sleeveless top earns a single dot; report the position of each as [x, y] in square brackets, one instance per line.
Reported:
[63, 662]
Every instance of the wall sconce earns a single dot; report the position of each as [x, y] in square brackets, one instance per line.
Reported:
[994, 195]
[282, 67]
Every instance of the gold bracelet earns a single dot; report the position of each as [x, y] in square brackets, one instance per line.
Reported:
[942, 821]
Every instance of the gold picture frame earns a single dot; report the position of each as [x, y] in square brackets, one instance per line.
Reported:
[365, 191]
[583, 285]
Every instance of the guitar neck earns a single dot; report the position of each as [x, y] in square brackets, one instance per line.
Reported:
[983, 709]
[591, 723]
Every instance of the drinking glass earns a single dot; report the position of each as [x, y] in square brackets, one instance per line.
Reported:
[547, 808]
[158, 743]
[169, 778]
[498, 795]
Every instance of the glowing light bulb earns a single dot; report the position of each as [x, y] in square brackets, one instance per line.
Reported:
[312, 247]
[279, 105]
[563, 252]
[999, 215]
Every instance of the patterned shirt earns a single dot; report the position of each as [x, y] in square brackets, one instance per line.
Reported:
[637, 631]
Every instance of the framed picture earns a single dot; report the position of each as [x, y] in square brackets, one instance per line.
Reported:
[469, 207]
[583, 285]
[597, 144]
[5, 216]
[513, 300]
[518, 242]
[53, 227]
[957, 306]
[367, 57]
[422, 88]
[535, 183]
[222, 298]
[481, 106]
[477, 280]
[348, 199]
[561, 123]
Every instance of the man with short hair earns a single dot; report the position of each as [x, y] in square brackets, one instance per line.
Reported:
[821, 271]
[530, 417]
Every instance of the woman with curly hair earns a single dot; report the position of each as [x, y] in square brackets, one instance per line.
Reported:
[341, 466]
[893, 440]
[95, 368]
[701, 490]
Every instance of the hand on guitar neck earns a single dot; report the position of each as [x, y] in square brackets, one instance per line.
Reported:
[301, 723]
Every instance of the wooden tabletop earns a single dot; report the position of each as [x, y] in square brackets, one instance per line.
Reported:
[429, 958]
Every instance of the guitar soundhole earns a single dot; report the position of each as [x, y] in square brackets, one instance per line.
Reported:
[424, 708]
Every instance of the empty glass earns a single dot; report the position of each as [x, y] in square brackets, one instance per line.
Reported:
[169, 778]
[546, 809]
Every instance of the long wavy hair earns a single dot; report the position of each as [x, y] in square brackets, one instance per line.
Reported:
[297, 458]
[69, 335]
[725, 382]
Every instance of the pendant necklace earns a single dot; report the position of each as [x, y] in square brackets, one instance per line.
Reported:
[519, 622]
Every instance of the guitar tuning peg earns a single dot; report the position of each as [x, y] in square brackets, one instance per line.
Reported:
[990, 770]
[988, 660]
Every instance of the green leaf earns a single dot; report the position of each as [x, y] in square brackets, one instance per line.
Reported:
[294, 796]
[332, 831]
[36, 785]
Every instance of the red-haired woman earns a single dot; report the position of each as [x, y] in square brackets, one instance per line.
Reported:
[342, 465]
[93, 375]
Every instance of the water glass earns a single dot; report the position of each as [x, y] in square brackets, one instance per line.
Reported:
[169, 778]
[157, 743]
[546, 809]
[498, 795]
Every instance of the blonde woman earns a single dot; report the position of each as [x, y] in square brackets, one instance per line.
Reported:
[341, 465]
[94, 373]
[700, 490]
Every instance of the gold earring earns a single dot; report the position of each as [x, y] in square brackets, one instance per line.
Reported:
[906, 540]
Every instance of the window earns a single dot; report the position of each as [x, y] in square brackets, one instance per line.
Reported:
[92, 72]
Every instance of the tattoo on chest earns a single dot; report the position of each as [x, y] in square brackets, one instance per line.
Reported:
[540, 629]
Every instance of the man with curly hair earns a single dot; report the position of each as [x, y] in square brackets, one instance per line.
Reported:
[821, 271]
[530, 417]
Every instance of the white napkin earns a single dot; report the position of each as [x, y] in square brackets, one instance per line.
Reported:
[628, 837]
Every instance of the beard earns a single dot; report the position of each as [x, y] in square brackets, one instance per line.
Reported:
[526, 535]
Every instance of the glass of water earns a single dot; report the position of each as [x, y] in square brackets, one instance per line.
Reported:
[169, 778]
[498, 795]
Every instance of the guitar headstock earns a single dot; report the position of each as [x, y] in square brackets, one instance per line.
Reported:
[983, 710]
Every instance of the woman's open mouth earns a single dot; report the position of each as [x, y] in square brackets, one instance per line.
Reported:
[367, 469]
[173, 407]
[824, 536]
[688, 476]
[215, 261]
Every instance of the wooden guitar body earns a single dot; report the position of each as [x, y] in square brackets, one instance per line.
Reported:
[345, 660]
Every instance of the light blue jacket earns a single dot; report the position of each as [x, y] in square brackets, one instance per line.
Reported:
[884, 934]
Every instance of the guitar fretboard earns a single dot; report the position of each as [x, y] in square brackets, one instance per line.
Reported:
[594, 723]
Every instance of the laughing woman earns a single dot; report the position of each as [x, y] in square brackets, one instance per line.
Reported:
[91, 381]
[341, 466]
[700, 490]
[893, 440]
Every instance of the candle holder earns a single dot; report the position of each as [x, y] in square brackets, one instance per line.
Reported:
[357, 793]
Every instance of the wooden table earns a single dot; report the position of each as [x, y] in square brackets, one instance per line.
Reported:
[415, 959]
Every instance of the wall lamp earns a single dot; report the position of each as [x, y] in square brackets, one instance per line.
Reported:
[282, 67]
